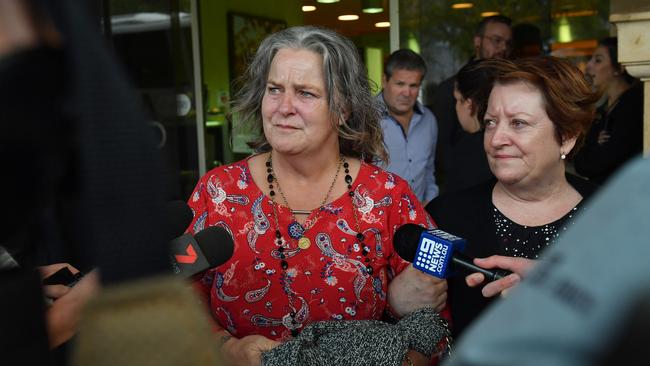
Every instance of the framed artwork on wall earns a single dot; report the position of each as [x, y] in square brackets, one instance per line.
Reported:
[245, 33]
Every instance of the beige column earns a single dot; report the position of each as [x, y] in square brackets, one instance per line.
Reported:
[632, 20]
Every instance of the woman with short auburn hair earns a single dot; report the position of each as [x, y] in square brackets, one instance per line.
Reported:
[538, 112]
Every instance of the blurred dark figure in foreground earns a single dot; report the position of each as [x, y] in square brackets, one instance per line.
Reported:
[81, 176]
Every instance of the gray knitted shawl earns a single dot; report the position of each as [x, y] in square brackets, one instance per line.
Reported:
[360, 342]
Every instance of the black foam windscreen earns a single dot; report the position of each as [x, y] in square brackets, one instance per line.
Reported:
[216, 244]
[406, 240]
[179, 216]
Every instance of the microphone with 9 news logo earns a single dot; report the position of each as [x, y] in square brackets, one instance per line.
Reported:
[437, 252]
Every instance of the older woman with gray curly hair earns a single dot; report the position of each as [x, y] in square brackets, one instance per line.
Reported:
[312, 218]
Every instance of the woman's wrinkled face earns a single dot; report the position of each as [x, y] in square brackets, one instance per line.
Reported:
[520, 140]
[600, 70]
[295, 111]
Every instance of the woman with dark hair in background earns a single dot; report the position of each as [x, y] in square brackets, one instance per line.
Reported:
[538, 112]
[617, 132]
[471, 90]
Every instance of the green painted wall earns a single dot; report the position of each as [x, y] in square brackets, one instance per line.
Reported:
[214, 35]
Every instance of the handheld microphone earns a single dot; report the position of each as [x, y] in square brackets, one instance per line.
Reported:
[209, 248]
[434, 252]
[179, 216]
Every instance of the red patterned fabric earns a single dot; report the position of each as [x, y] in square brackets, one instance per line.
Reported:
[251, 294]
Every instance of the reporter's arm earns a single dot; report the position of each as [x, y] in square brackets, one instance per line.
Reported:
[65, 312]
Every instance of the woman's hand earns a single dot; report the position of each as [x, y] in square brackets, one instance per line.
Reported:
[246, 351]
[519, 267]
[603, 137]
[412, 289]
[415, 358]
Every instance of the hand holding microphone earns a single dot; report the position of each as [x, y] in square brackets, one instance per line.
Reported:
[437, 252]
[519, 267]
[69, 292]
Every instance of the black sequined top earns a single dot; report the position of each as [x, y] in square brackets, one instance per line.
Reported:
[528, 241]
[471, 215]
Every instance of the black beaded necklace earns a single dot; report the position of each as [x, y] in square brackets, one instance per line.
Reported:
[297, 232]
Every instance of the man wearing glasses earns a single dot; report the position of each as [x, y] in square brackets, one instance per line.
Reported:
[493, 37]
[460, 158]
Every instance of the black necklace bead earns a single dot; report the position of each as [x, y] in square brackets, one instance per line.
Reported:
[283, 263]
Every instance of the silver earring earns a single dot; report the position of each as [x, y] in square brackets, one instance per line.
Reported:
[562, 157]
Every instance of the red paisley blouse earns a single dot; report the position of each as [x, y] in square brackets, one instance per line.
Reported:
[252, 294]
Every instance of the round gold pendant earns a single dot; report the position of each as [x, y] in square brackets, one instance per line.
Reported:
[304, 243]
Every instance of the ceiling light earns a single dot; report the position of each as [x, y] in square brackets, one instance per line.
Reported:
[372, 6]
[348, 17]
[307, 8]
[382, 24]
[578, 13]
[462, 6]
[489, 13]
[327, 1]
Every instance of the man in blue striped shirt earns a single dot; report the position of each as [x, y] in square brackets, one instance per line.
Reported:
[410, 129]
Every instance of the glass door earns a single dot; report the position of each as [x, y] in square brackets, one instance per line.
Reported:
[157, 44]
